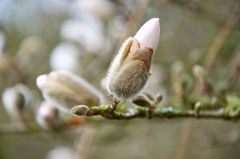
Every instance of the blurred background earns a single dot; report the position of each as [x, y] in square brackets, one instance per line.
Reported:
[82, 36]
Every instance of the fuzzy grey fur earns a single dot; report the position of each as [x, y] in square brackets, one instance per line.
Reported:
[132, 75]
[130, 79]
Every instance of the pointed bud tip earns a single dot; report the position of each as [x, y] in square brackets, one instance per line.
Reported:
[80, 110]
[46, 110]
[55, 74]
[199, 71]
[41, 80]
[148, 34]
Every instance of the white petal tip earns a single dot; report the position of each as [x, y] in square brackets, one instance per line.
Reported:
[154, 20]
[148, 34]
[41, 80]
[54, 74]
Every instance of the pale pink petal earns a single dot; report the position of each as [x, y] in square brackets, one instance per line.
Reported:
[41, 80]
[148, 34]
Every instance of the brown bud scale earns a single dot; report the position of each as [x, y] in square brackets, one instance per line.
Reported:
[133, 74]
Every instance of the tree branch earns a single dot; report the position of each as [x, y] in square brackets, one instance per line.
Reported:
[158, 112]
[16, 129]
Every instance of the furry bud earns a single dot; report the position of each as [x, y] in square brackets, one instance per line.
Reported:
[48, 117]
[199, 72]
[61, 152]
[67, 90]
[129, 70]
[16, 101]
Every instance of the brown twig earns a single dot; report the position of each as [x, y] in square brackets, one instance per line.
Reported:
[234, 69]
[85, 141]
[134, 19]
[184, 134]
[16, 129]
[211, 56]
[220, 38]
[140, 112]
[160, 112]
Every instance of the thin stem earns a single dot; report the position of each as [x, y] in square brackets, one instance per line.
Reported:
[85, 141]
[161, 112]
[16, 129]
[184, 135]
[234, 69]
[220, 38]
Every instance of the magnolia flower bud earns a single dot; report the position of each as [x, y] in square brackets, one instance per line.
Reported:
[61, 152]
[129, 70]
[67, 90]
[48, 117]
[16, 101]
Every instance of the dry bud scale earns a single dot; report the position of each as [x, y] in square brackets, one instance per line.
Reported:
[129, 71]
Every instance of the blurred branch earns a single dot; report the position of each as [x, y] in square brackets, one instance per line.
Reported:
[198, 89]
[220, 37]
[19, 129]
[135, 17]
[234, 69]
[121, 113]
[16, 129]
[202, 10]
[130, 27]
[184, 135]
[158, 112]
[85, 142]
